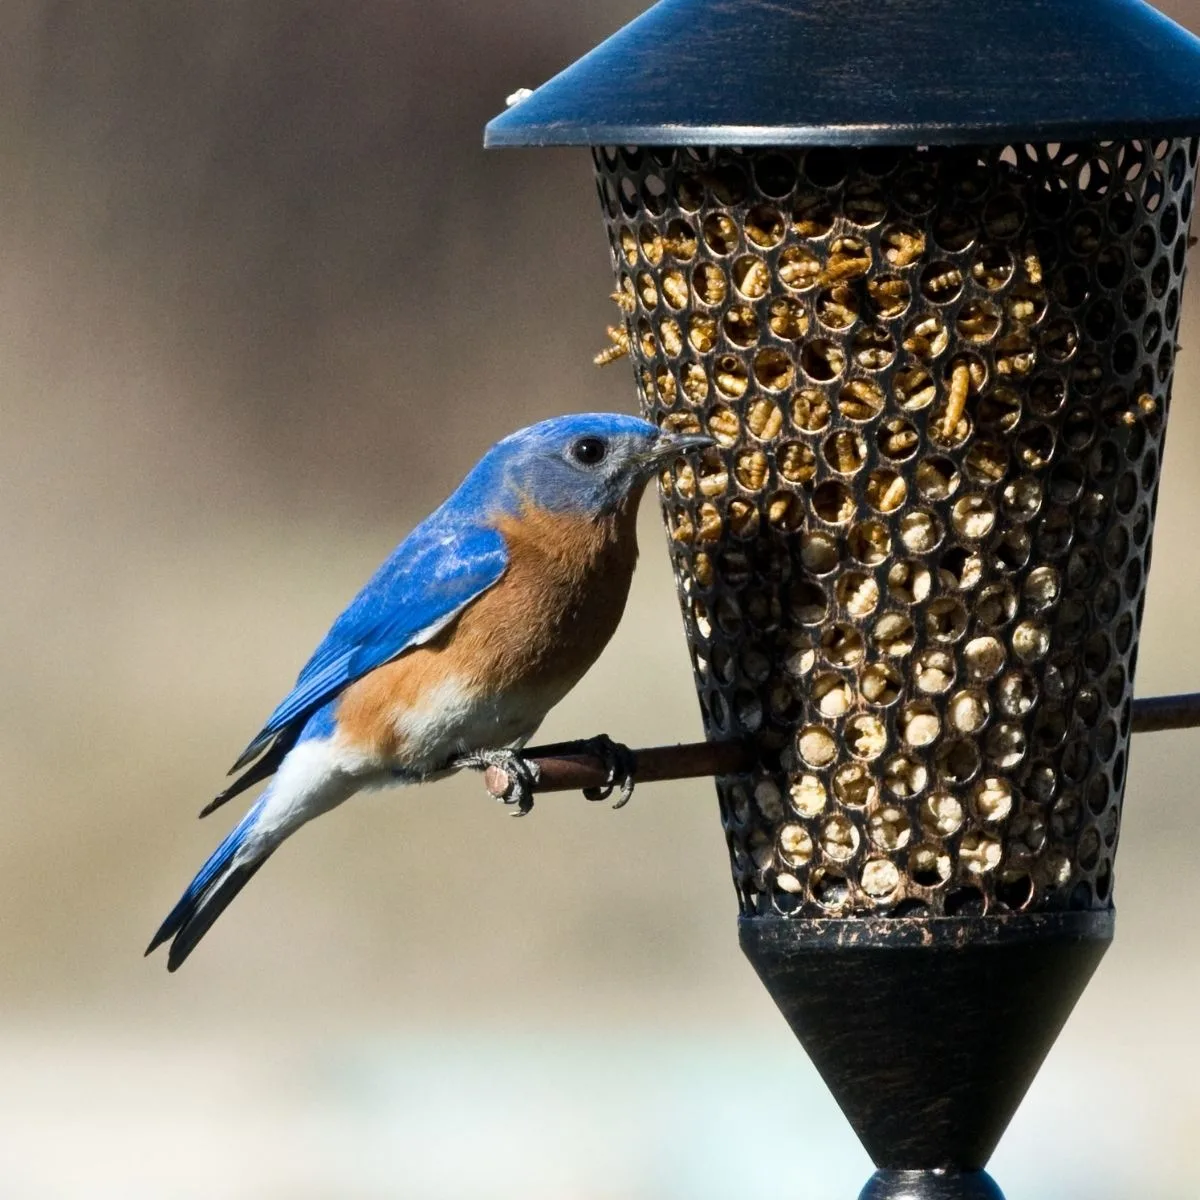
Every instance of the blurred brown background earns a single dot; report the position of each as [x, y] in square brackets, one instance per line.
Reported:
[263, 299]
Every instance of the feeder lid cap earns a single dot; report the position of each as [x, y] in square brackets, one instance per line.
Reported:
[857, 72]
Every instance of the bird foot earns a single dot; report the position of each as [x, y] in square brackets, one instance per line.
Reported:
[522, 775]
[619, 763]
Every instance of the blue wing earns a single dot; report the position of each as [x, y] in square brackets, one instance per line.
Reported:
[441, 567]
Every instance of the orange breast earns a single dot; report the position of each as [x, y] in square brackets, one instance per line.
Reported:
[531, 636]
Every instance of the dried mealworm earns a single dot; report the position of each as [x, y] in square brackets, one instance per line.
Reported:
[903, 247]
[956, 403]
[849, 260]
[897, 438]
[788, 320]
[675, 289]
[716, 483]
[652, 248]
[848, 460]
[890, 295]
[926, 337]
[1015, 356]
[695, 384]
[797, 464]
[860, 400]
[741, 325]
[780, 509]
[666, 388]
[731, 382]
[894, 496]
[723, 425]
[710, 523]
[977, 322]
[861, 598]
[742, 516]
[1021, 308]
[680, 244]
[764, 419]
[629, 246]
[623, 298]
[837, 308]
[685, 481]
[710, 283]
[619, 336]
[751, 470]
[799, 268]
[914, 388]
[672, 337]
[944, 285]
[702, 333]
[755, 279]
[886, 490]
[682, 529]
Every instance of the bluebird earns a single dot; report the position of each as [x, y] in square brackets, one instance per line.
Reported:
[479, 622]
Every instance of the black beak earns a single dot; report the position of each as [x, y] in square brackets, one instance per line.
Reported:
[676, 445]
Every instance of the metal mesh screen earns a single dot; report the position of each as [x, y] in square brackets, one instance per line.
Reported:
[913, 571]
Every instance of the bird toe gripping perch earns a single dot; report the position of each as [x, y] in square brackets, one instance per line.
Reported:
[521, 775]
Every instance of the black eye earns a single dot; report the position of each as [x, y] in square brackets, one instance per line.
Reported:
[589, 451]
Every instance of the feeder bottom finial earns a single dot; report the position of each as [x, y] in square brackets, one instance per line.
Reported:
[931, 1185]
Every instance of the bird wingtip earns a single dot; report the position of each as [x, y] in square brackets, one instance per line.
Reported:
[247, 756]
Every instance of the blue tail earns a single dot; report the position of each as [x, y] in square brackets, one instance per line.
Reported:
[209, 893]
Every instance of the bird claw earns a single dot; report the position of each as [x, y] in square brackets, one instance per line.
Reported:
[619, 763]
[522, 775]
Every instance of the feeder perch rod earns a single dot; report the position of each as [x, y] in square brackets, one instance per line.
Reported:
[573, 772]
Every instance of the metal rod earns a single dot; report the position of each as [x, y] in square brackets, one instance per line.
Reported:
[573, 772]
[1166, 712]
[693, 760]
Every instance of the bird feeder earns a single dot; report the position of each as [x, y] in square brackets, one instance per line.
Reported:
[917, 269]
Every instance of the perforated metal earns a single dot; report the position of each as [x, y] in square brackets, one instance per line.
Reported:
[913, 571]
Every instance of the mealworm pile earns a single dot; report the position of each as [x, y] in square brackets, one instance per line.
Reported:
[912, 568]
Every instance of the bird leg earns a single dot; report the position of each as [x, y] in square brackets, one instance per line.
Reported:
[522, 774]
[619, 762]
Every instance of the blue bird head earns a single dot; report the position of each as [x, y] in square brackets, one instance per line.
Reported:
[587, 463]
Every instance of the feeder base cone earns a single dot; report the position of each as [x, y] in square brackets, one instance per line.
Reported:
[928, 1032]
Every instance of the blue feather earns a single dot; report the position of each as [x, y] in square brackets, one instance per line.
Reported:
[218, 861]
[445, 563]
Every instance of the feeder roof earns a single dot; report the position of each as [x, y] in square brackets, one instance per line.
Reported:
[857, 72]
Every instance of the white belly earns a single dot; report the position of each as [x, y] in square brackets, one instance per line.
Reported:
[451, 721]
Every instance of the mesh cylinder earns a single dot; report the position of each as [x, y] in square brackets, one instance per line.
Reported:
[913, 570]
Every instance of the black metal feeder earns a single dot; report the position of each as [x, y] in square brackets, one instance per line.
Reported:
[917, 267]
